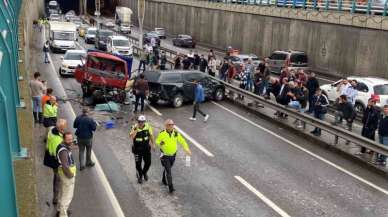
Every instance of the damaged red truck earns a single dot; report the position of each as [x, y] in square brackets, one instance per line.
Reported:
[104, 76]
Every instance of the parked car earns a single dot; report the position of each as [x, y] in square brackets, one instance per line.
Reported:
[368, 87]
[71, 60]
[161, 32]
[176, 86]
[241, 58]
[70, 14]
[109, 24]
[184, 41]
[119, 45]
[55, 17]
[147, 38]
[90, 35]
[293, 60]
[102, 36]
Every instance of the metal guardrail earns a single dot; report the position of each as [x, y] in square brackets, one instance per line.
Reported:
[352, 6]
[232, 91]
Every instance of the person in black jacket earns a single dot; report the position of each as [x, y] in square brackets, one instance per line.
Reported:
[202, 64]
[370, 121]
[345, 111]
[85, 127]
[383, 134]
[283, 97]
[312, 85]
[319, 103]
[196, 61]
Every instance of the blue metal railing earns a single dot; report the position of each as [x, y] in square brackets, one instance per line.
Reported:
[9, 102]
[375, 7]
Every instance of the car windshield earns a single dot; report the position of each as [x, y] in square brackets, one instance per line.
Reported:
[152, 76]
[106, 33]
[298, 58]
[171, 78]
[91, 32]
[278, 56]
[152, 34]
[121, 43]
[381, 89]
[74, 56]
[63, 36]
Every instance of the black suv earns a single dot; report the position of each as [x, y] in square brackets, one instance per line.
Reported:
[101, 40]
[177, 86]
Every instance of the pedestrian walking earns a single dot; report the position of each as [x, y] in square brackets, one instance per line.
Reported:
[37, 87]
[212, 66]
[163, 61]
[54, 138]
[319, 107]
[67, 172]
[224, 70]
[143, 60]
[370, 122]
[85, 127]
[312, 85]
[46, 49]
[143, 140]
[167, 141]
[141, 91]
[199, 97]
[50, 112]
[203, 64]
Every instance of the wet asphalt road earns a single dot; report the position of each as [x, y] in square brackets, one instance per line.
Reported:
[296, 182]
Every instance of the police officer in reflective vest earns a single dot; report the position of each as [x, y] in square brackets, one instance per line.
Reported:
[143, 140]
[167, 142]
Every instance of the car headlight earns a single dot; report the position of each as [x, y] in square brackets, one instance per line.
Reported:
[65, 65]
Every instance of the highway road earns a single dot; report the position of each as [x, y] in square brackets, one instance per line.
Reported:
[242, 165]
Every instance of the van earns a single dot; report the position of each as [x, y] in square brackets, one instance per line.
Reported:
[62, 36]
[119, 45]
[292, 60]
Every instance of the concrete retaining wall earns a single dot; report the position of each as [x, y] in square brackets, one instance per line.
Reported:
[336, 49]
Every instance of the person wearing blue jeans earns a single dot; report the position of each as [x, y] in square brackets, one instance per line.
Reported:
[383, 135]
[46, 49]
[37, 88]
[250, 70]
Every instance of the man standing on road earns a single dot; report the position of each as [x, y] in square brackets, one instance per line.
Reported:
[37, 88]
[202, 64]
[383, 135]
[370, 122]
[199, 97]
[319, 106]
[249, 70]
[54, 138]
[167, 142]
[46, 49]
[143, 60]
[351, 92]
[163, 61]
[85, 126]
[312, 85]
[141, 91]
[142, 136]
[66, 171]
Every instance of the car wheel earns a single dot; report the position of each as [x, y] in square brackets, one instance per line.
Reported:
[219, 94]
[359, 107]
[177, 101]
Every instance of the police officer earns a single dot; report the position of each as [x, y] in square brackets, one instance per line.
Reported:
[142, 136]
[167, 142]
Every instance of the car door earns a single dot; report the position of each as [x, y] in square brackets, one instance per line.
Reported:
[363, 93]
[332, 92]
[188, 85]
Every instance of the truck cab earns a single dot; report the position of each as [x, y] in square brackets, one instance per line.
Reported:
[123, 19]
[104, 76]
[62, 36]
[119, 45]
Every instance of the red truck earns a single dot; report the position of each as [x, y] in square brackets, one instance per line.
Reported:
[104, 76]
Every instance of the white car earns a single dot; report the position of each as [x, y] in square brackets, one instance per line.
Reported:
[71, 60]
[109, 24]
[90, 35]
[55, 17]
[119, 45]
[368, 87]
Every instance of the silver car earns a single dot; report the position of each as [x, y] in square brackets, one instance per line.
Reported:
[161, 32]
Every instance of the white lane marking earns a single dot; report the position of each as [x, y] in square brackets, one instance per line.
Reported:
[101, 175]
[262, 197]
[307, 151]
[187, 136]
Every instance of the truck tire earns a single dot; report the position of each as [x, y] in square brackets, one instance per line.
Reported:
[177, 100]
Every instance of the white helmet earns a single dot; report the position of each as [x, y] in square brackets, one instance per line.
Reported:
[142, 118]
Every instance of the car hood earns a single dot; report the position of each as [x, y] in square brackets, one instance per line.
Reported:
[72, 62]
